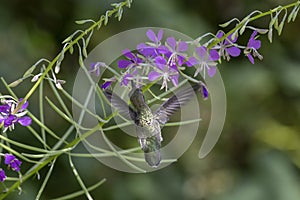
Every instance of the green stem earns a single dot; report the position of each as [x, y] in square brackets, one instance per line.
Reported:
[215, 42]
[109, 13]
[50, 159]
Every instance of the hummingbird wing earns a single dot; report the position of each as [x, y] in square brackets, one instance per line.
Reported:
[124, 109]
[174, 103]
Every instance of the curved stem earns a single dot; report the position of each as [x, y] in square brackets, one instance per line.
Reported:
[215, 42]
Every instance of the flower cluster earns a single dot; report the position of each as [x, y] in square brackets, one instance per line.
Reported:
[157, 60]
[9, 116]
[12, 163]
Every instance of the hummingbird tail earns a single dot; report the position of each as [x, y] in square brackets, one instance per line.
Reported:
[153, 158]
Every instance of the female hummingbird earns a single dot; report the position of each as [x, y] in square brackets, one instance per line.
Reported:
[148, 123]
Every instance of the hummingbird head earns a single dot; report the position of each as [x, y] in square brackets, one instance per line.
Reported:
[137, 98]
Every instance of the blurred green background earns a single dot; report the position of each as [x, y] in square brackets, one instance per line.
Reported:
[258, 154]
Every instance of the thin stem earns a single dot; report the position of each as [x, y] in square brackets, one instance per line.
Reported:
[258, 16]
[109, 13]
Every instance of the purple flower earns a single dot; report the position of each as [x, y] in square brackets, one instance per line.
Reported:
[4, 108]
[155, 38]
[132, 60]
[252, 47]
[2, 175]
[12, 162]
[165, 72]
[95, 67]
[8, 158]
[154, 48]
[175, 52]
[204, 61]
[108, 82]
[126, 79]
[204, 92]
[8, 117]
[25, 121]
[24, 106]
[226, 47]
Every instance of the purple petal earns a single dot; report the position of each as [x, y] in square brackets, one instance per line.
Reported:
[2, 175]
[182, 46]
[145, 50]
[153, 75]
[24, 106]
[253, 43]
[171, 42]
[212, 71]
[214, 55]
[253, 35]
[160, 62]
[4, 108]
[92, 66]
[8, 158]
[15, 165]
[125, 79]
[141, 46]
[174, 80]
[233, 40]
[180, 60]
[151, 35]
[124, 63]
[233, 51]
[160, 34]
[250, 57]
[192, 61]
[220, 34]
[173, 68]
[229, 38]
[106, 84]
[127, 53]
[202, 52]
[25, 121]
[163, 50]
[204, 92]
[9, 120]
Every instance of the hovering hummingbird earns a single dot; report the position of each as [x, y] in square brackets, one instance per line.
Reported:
[148, 123]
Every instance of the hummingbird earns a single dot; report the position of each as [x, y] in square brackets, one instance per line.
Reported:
[148, 123]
